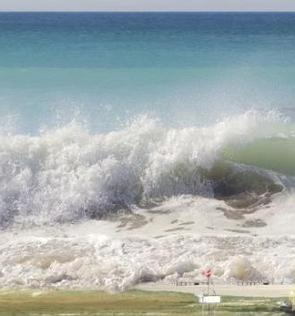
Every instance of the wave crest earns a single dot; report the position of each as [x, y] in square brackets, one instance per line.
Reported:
[68, 173]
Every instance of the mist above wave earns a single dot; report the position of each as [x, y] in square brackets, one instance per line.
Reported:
[67, 174]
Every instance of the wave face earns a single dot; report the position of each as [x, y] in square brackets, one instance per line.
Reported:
[69, 174]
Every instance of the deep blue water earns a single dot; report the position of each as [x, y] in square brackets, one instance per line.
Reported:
[184, 68]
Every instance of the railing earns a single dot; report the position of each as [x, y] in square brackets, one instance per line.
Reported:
[183, 282]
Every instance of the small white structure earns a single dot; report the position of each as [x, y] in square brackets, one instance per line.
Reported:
[209, 299]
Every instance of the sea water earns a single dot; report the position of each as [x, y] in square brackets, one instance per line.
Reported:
[179, 126]
[186, 69]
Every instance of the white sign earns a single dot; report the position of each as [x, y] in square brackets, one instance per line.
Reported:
[210, 299]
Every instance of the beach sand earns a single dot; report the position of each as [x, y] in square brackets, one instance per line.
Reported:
[225, 290]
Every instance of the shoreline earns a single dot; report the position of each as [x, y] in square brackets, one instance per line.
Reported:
[250, 291]
[226, 290]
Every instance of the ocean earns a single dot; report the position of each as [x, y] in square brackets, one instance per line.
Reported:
[146, 146]
[186, 69]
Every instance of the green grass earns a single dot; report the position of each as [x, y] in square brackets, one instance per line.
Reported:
[124, 304]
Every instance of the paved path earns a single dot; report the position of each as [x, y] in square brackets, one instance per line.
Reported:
[230, 290]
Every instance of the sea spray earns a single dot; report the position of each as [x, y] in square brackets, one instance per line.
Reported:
[69, 174]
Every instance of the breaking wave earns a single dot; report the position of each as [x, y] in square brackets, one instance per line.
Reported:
[68, 174]
[162, 188]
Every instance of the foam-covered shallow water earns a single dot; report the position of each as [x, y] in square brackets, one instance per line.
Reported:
[101, 262]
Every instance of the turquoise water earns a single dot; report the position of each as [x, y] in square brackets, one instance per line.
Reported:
[103, 114]
[104, 111]
[185, 69]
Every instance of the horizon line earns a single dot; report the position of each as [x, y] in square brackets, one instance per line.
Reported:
[147, 11]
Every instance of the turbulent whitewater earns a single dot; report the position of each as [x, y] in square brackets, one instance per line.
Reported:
[68, 174]
[146, 203]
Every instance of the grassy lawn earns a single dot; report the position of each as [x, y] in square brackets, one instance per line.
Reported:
[129, 303]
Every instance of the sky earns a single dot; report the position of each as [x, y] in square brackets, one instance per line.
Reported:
[147, 5]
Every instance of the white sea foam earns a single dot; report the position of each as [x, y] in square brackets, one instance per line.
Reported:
[69, 174]
[98, 262]
[54, 183]
[106, 255]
